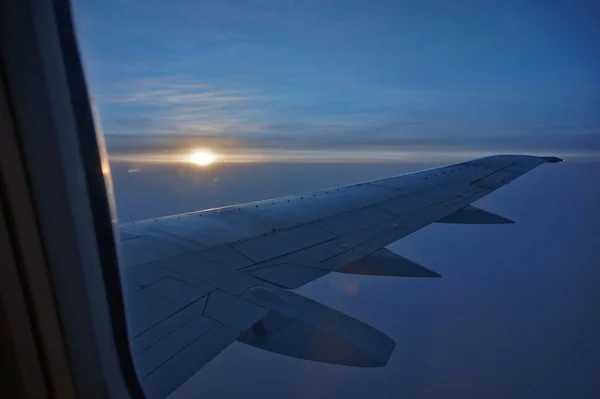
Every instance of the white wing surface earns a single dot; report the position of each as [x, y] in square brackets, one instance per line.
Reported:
[196, 282]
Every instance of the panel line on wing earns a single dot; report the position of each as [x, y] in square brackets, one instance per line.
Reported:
[494, 172]
[393, 236]
[146, 339]
[180, 350]
[168, 346]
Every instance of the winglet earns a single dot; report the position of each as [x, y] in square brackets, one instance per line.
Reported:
[552, 159]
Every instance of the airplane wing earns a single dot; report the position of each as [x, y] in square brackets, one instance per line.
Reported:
[199, 281]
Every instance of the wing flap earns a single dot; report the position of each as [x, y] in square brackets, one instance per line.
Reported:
[160, 300]
[288, 275]
[183, 364]
[167, 326]
[152, 357]
[186, 335]
[232, 311]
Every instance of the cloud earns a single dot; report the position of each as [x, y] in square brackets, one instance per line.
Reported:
[158, 118]
[178, 106]
[277, 148]
[152, 92]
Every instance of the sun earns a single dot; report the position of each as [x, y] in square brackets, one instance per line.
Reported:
[202, 158]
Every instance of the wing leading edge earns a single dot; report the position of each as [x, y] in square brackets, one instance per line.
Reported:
[197, 282]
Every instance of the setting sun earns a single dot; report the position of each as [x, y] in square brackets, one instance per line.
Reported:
[202, 158]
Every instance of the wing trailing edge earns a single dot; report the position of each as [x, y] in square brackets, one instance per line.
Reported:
[472, 215]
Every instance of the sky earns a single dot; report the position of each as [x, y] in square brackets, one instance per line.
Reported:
[266, 80]
[305, 95]
[515, 313]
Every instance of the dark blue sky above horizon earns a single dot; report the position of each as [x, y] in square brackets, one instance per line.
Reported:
[359, 74]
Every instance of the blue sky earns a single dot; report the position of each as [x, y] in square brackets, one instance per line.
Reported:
[338, 74]
[515, 312]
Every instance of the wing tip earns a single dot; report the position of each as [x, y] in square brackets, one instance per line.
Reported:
[552, 159]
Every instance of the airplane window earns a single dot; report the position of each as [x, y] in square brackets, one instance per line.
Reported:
[230, 128]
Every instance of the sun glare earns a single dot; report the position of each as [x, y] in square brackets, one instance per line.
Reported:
[202, 158]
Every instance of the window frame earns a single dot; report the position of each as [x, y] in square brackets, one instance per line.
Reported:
[59, 161]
